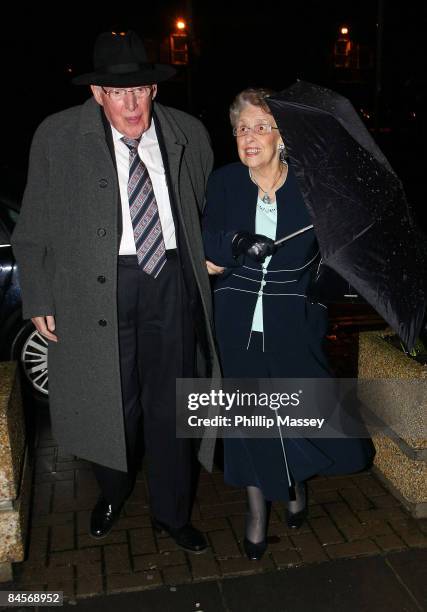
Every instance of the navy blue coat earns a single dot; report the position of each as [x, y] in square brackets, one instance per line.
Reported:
[294, 329]
[289, 318]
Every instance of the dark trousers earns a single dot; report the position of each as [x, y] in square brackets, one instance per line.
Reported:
[157, 345]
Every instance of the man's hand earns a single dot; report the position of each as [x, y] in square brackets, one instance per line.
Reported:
[213, 268]
[46, 326]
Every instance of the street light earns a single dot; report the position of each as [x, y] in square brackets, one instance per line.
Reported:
[343, 49]
[179, 43]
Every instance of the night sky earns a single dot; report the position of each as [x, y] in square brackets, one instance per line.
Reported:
[235, 46]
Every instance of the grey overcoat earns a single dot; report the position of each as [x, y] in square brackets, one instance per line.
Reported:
[67, 236]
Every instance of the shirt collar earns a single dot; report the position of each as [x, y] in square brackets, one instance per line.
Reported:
[149, 136]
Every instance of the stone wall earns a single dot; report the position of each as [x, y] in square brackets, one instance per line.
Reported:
[15, 472]
[401, 405]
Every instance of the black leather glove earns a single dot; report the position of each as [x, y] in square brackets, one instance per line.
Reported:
[255, 246]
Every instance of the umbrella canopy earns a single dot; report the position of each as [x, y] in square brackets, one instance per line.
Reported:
[357, 204]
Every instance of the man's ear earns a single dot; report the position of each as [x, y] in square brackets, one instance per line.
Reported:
[96, 90]
[154, 91]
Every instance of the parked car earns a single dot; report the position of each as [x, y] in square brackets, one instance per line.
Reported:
[19, 339]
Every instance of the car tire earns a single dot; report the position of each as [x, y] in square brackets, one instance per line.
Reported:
[30, 350]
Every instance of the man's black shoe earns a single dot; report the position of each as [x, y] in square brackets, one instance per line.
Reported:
[187, 537]
[103, 518]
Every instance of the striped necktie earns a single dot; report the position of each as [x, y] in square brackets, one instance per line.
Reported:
[144, 213]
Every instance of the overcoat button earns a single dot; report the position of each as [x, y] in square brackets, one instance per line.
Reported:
[101, 279]
[101, 231]
[103, 183]
[102, 322]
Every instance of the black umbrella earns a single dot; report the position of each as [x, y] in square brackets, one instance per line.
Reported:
[356, 202]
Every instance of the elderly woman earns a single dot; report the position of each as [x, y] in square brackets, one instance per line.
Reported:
[265, 325]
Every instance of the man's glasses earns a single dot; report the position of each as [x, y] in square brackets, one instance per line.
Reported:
[119, 94]
[259, 128]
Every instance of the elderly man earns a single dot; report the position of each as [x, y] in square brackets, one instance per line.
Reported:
[113, 275]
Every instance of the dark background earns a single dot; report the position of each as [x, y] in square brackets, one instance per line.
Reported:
[235, 45]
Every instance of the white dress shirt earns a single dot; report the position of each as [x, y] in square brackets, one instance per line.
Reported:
[149, 152]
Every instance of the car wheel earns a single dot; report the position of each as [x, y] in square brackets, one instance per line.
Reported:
[30, 349]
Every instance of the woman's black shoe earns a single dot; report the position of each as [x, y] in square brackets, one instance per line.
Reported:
[294, 520]
[254, 552]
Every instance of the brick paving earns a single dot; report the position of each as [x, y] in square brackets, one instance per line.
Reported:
[349, 517]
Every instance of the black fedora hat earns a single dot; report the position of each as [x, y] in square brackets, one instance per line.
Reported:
[120, 60]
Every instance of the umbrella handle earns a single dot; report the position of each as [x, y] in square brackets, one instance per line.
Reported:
[289, 236]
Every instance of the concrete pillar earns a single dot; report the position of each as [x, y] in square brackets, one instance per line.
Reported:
[15, 472]
[394, 387]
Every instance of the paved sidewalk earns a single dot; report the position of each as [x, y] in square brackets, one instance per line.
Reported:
[349, 517]
[394, 582]
[358, 551]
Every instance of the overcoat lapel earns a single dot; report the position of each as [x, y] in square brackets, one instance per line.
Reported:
[110, 144]
[97, 167]
[172, 152]
[248, 196]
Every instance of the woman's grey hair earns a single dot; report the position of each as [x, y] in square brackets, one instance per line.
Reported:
[252, 95]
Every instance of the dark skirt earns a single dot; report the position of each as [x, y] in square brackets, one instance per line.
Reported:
[260, 461]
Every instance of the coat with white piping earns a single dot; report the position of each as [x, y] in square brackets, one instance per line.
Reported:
[289, 317]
